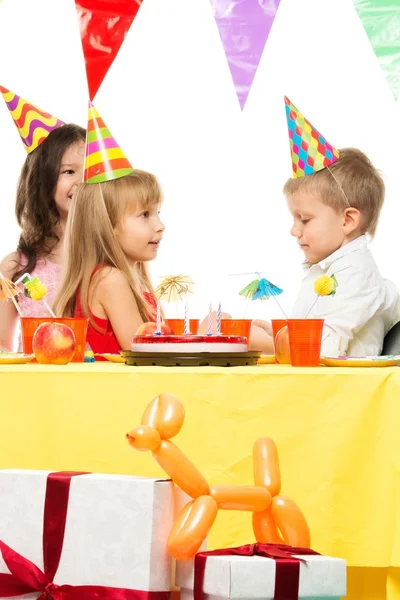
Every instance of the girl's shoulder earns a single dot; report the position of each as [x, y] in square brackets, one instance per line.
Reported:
[11, 263]
[15, 260]
[107, 273]
[107, 277]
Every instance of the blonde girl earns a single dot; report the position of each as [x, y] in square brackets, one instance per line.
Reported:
[113, 230]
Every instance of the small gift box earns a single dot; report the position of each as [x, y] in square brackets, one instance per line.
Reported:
[84, 536]
[262, 572]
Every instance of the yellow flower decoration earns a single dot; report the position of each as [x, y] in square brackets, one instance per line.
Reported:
[36, 289]
[325, 285]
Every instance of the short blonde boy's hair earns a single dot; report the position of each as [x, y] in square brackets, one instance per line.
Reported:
[360, 181]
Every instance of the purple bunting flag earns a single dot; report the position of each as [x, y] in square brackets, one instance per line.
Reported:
[244, 27]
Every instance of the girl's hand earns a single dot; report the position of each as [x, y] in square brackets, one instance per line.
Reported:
[8, 313]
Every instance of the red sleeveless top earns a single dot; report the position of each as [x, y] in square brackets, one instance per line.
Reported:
[105, 341]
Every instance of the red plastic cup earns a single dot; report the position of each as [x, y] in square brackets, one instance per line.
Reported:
[78, 326]
[178, 325]
[305, 336]
[277, 325]
[240, 327]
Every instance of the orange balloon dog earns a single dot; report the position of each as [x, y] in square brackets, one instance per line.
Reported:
[276, 519]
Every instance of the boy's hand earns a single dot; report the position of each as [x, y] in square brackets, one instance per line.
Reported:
[263, 325]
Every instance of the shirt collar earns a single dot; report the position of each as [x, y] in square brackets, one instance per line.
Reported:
[359, 242]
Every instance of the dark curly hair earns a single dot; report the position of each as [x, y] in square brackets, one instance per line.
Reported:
[35, 208]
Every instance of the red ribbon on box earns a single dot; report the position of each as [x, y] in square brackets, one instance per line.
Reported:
[287, 575]
[25, 577]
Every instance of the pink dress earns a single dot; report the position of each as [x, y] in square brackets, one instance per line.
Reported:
[50, 275]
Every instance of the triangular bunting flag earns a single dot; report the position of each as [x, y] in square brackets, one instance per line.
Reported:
[381, 21]
[33, 124]
[103, 26]
[104, 159]
[244, 28]
[309, 149]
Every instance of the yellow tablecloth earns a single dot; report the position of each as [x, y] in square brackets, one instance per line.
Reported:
[337, 432]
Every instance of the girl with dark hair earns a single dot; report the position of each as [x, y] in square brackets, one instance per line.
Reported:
[48, 179]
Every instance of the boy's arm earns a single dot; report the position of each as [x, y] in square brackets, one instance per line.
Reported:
[260, 340]
[358, 298]
[266, 325]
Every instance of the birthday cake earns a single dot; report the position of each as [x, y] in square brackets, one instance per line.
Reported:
[188, 343]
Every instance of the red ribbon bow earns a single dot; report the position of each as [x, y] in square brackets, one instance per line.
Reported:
[26, 577]
[287, 566]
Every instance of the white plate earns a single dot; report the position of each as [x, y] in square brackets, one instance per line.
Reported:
[360, 361]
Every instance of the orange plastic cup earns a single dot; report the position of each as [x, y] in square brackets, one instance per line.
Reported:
[78, 326]
[240, 327]
[305, 336]
[178, 325]
[277, 325]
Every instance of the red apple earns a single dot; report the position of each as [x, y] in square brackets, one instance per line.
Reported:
[53, 344]
[150, 328]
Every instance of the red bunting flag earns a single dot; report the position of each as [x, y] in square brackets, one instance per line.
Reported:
[103, 26]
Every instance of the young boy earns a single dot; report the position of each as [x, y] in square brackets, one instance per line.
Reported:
[335, 198]
[332, 211]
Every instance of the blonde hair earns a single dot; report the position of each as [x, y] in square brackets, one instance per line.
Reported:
[350, 181]
[90, 239]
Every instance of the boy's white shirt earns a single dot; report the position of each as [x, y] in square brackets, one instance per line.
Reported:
[363, 309]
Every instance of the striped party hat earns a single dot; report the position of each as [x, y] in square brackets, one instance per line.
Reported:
[104, 159]
[33, 124]
[309, 149]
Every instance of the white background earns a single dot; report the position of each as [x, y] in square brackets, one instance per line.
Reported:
[170, 102]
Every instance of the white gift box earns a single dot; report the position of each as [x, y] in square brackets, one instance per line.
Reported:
[253, 577]
[115, 535]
